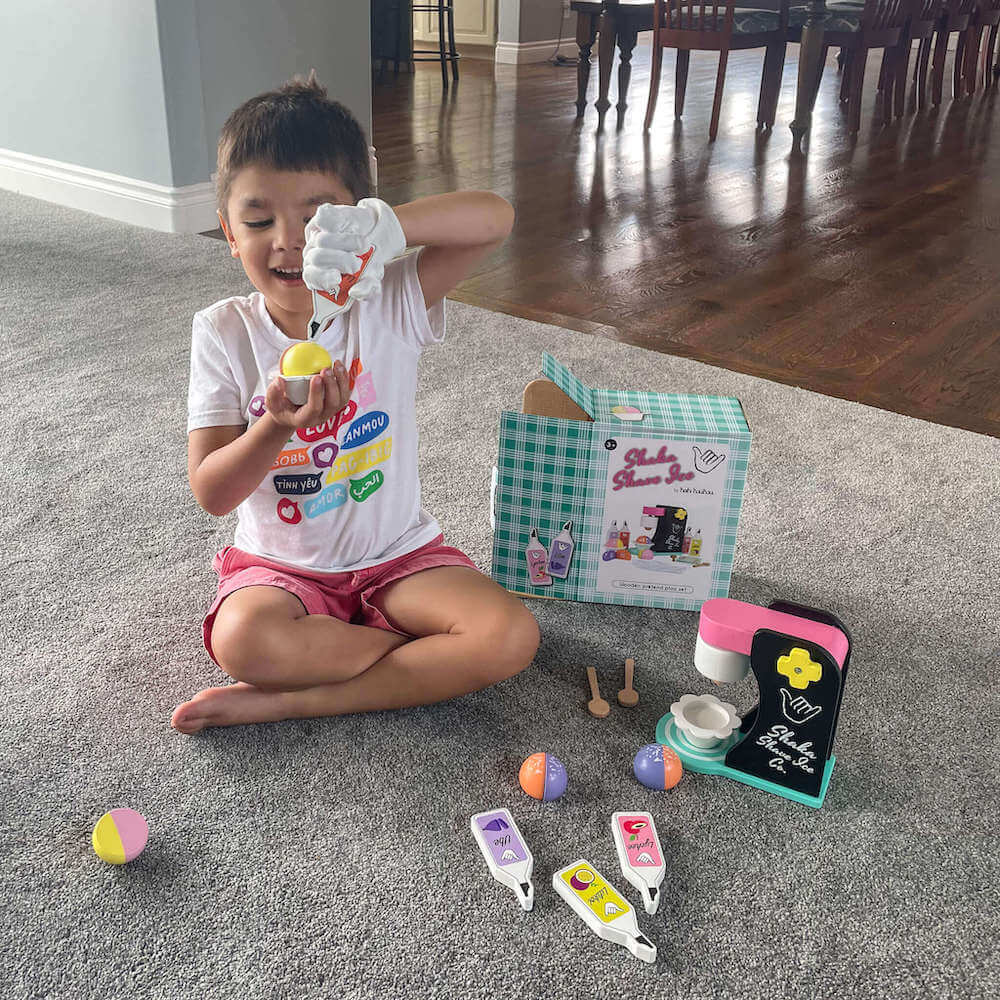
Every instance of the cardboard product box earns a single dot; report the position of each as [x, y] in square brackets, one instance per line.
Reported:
[618, 497]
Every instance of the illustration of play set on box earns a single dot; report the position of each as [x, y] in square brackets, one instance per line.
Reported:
[618, 497]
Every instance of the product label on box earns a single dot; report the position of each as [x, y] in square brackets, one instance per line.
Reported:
[662, 504]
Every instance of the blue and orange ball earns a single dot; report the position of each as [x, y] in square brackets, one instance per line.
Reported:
[543, 777]
[657, 766]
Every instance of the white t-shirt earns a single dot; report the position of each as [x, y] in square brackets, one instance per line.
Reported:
[345, 495]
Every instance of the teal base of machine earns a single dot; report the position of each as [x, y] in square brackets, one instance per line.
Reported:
[713, 761]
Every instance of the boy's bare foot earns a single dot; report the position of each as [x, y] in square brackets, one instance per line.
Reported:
[229, 706]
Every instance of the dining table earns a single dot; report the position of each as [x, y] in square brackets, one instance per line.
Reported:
[617, 23]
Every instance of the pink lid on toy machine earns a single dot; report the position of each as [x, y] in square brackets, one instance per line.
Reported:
[730, 625]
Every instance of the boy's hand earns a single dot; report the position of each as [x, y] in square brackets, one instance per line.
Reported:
[329, 393]
[337, 235]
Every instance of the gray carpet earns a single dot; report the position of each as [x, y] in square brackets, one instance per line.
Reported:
[332, 858]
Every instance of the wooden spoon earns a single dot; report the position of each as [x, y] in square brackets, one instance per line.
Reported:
[597, 706]
[628, 696]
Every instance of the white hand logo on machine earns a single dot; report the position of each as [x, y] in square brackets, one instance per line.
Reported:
[707, 460]
[798, 710]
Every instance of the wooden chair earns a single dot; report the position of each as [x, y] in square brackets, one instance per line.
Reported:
[617, 22]
[920, 26]
[955, 17]
[720, 26]
[986, 16]
[856, 31]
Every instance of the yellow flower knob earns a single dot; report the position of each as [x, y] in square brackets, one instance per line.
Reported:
[800, 668]
[681, 513]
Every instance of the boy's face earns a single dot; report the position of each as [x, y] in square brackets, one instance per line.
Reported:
[268, 210]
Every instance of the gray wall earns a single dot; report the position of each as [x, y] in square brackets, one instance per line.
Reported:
[532, 21]
[141, 88]
[540, 21]
[240, 57]
[81, 84]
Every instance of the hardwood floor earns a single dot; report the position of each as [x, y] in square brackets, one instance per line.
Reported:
[865, 270]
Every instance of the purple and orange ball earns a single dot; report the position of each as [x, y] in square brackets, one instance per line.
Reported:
[657, 766]
[543, 777]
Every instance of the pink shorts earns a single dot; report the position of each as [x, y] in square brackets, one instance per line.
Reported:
[347, 596]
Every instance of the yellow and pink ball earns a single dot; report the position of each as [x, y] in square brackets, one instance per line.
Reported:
[119, 836]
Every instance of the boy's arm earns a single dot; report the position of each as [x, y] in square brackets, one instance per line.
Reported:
[226, 464]
[457, 231]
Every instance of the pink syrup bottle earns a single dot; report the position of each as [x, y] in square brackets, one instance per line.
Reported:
[538, 560]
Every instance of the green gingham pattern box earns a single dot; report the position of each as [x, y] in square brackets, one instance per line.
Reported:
[654, 504]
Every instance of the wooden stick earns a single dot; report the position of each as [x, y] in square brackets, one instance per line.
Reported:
[595, 691]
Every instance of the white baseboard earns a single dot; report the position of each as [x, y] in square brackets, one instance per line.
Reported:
[189, 209]
[533, 52]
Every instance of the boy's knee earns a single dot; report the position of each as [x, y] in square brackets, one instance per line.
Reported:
[241, 648]
[510, 641]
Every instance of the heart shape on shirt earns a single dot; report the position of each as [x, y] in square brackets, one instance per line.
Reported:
[324, 455]
[289, 512]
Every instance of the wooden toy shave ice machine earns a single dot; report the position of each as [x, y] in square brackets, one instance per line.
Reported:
[785, 745]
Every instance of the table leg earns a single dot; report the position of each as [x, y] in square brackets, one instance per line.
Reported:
[586, 33]
[627, 35]
[810, 55]
[605, 57]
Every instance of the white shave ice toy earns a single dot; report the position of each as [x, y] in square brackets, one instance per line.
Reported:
[322, 262]
[601, 907]
[506, 853]
[640, 855]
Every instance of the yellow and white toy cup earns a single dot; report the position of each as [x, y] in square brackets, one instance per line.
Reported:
[298, 365]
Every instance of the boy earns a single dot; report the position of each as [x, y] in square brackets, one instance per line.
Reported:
[333, 600]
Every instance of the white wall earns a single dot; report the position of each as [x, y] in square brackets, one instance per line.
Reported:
[248, 46]
[81, 84]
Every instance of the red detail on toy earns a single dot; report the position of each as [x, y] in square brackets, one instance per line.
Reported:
[348, 281]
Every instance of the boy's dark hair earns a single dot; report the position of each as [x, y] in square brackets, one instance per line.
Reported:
[296, 127]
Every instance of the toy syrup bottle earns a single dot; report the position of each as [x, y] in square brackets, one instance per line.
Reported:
[696, 543]
[686, 544]
[624, 535]
[612, 539]
[561, 551]
[537, 561]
